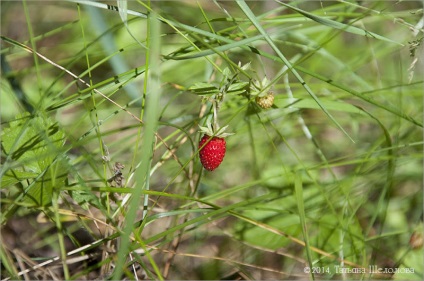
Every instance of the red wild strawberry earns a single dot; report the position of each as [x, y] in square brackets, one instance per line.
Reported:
[212, 146]
[212, 154]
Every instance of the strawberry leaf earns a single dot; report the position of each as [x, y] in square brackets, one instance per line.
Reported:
[32, 146]
[238, 88]
[226, 73]
[204, 88]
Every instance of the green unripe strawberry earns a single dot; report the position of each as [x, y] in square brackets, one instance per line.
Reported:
[265, 101]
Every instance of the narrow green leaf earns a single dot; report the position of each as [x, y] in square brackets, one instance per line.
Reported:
[339, 25]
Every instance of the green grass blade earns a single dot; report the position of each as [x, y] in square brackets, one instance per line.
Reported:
[298, 187]
[151, 121]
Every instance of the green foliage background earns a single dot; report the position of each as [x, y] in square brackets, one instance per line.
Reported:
[330, 177]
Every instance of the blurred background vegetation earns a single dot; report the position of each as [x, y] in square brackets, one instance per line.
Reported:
[330, 177]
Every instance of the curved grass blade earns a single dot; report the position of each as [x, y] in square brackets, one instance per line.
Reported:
[123, 13]
[339, 25]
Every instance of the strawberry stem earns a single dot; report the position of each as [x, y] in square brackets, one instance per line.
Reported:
[215, 115]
